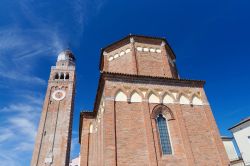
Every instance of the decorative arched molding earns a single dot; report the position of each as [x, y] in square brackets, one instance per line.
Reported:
[116, 89]
[164, 110]
[131, 92]
[152, 98]
[183, 99]
[119, 54]
[120, 96]
[196, 100]
[168, 98]
[135, 97]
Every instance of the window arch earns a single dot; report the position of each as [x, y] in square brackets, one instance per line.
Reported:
[162, 115]
[67, 76]
[56, 76]
[61, 75]
[164, 135]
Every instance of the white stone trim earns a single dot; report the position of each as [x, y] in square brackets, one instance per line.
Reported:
[158, 50]
[120, 96]
[148, 49]
[152, 50]
[167, 99]
[119, 54]
[139, 48]
[153, 98]
[184, 100]
[136, 98]
[145, 49]
[197, 101]
[122, 53]
[116, 56]
[127, 50]
[110, 58]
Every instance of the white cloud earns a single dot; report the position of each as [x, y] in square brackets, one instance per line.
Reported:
[17, 133]
[30, 111]
[15, 75]
[24, 146]
[19, 47]
[9, 159]
[34, 98]
[24, 126]
[5, 134]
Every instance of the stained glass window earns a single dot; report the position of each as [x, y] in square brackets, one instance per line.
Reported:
[164, 135]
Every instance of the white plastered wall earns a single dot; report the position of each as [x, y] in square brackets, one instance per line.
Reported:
[231, 152]
[241, 134]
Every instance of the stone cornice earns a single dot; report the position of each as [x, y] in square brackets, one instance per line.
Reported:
[155, 79]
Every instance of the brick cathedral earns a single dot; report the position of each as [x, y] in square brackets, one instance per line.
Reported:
[144, 113]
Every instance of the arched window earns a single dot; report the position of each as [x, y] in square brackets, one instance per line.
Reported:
[164, 135]
[67, 76]
[61, 76]
[56, 76]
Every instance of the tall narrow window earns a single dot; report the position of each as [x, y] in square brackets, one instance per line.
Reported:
[164, 135]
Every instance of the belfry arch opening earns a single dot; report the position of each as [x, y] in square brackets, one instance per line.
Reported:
[61, 76]
[67, 76]
[56, 76]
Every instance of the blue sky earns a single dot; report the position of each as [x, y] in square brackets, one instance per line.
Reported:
[209, 38]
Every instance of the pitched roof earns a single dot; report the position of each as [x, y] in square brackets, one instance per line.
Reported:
[240, 123]
[226, 138]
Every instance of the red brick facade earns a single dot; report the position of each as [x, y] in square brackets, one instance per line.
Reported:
[122, 129]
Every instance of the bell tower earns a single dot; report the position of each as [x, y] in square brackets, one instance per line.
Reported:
[52, 145]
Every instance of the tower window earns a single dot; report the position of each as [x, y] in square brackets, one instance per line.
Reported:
[56, 76]
[164, 135]
[62, 76]
[67, 76]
